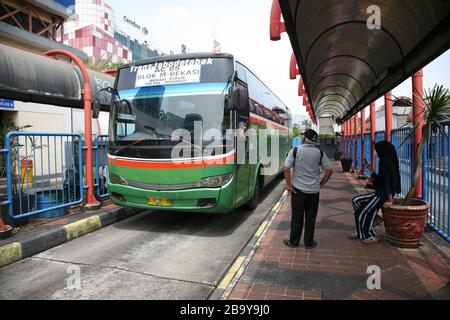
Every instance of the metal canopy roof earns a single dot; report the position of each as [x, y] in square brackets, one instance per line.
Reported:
[346, 66]
[30, 77]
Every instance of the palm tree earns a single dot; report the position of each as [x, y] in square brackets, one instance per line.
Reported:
[307, 124]
[101, 65]
[435, 110]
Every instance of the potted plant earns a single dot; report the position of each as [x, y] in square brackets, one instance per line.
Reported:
[405, 220]
[337, 155]
[346, 164]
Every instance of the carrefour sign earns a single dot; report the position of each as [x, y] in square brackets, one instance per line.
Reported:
[144, 30]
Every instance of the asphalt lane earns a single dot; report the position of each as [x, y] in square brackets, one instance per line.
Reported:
[154, 255]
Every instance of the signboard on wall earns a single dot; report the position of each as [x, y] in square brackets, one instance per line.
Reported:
[66, 3]
[6, 104]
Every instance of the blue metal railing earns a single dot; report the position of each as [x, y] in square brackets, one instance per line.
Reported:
[101, 165]
[347, 156]
[367, 152]
[403, 141]
[379, 136]
[436, 169]
[44, 172]
[4, 201]
[359, 155]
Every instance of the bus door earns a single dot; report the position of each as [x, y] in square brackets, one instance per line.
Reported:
[242, 142]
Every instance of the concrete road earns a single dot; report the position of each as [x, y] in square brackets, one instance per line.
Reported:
[154, 255]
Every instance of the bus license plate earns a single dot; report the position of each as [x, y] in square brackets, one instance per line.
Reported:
[160, 202]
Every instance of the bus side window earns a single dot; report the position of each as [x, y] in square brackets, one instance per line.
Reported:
[125, 129]
[130, 128]
[120, 130]
[241, 73]
[126, 120]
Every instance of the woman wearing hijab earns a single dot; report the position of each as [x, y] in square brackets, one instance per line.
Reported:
[387, 184]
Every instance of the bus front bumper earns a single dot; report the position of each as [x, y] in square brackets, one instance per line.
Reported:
[204, 200]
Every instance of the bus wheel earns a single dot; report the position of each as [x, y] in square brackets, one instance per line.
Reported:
[254, 201]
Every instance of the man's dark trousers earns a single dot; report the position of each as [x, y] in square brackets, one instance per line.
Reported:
[304, 212]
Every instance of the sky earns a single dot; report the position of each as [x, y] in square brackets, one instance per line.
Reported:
[242, 28]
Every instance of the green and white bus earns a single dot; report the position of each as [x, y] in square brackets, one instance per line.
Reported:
[156, 106]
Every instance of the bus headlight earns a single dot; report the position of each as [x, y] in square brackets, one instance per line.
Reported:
[115, 179]
[215, 182]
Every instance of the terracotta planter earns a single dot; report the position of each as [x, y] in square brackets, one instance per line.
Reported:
[346, 164]
[405, 225]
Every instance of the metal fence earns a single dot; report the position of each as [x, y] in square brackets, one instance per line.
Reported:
[367, 152]
[379, 136]
[403, 141]
[436, 169]
[3, 182]
[3, 163]
[44, 173]
[349, 146]
[101, 165]
[436, 191]
[359, 154]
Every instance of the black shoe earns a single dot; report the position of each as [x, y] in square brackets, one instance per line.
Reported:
[289, 244]
[311, 247]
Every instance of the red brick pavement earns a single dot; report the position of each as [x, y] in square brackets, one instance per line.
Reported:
[249, 291]
[405, 274]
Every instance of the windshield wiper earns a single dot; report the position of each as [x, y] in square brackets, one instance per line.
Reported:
[129, 146]
[181, 139]
[229, 83]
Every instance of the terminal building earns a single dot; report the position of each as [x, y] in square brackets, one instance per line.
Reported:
[89, 29]
[102, 34]
[37, 26]
[47, 23]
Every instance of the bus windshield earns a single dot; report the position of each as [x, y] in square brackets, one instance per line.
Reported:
[161, 102]
[144, 115]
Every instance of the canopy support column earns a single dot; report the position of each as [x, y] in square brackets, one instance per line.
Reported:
[373, 130]
[363, 132]
[388, 103]
[344, 140]
[418, 108]
[91, 203]
[355, 121]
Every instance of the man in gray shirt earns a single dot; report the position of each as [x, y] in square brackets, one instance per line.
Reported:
[304, 187]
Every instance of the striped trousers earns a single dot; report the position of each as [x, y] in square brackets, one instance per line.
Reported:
[366, 208]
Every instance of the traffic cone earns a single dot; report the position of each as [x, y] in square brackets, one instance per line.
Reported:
[5, 230]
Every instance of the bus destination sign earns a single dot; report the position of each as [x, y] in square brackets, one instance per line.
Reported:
[170, 72]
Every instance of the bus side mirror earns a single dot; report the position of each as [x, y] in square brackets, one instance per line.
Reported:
[96, 101]
[236, 99]
[242, 101]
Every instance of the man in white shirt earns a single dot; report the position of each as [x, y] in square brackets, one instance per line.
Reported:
[304, 186]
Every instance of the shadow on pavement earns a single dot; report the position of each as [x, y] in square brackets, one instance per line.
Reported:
[205, 225]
